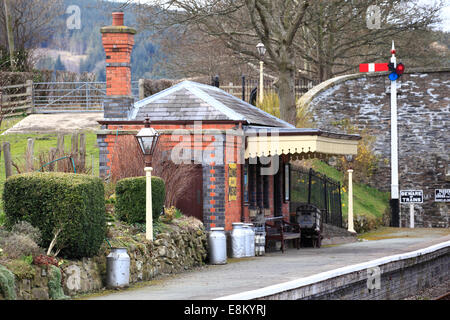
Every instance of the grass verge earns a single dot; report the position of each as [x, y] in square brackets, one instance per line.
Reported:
[42, 143]
[366, 200]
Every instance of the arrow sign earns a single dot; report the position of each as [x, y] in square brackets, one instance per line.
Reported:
[373, 67]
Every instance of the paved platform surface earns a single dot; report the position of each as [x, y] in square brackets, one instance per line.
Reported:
[239, 275]
[58, 122]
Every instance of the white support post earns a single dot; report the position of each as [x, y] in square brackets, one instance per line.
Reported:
[148, 204]
[261, 81]
[394, 133]
[411, 216]
[350, 226]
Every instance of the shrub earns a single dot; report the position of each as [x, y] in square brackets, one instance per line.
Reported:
[18, 245]
[21, 269]
[3, 234]
[365, 163]
[25, 228]
[170, 214]
[43, 260]
[55, 289]
[271, 104]
[363, 223]
[7, 284]
[70, 206]
[130, 199]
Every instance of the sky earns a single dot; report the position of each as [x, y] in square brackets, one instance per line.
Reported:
[445, 13]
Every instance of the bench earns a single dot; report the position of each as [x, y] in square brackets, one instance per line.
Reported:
[280, 230]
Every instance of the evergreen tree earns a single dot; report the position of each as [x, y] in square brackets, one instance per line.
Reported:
[59, 66]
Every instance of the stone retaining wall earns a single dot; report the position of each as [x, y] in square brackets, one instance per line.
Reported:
[388, 278]
[174, 252]
[423, 122]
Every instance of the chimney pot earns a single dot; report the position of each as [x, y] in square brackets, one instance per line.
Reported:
[117, 18]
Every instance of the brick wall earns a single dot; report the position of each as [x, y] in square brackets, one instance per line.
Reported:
[207, 148]
[423, 122]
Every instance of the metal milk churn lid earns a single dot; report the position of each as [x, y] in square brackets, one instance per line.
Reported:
[217, 245]
[238, 240]
[118, 268]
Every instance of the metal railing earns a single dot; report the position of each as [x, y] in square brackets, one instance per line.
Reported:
[244, 89]
[309, 186]
[72, 96]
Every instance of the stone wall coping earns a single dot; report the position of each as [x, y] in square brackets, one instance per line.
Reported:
[306, 99]
[294, 284]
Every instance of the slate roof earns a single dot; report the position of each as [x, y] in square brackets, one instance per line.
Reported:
[189, 100]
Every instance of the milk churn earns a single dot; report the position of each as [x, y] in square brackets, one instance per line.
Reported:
[260, 242]
[217, 243]
[238, 240]
[251, 240]
[246, 240]
[118, 268]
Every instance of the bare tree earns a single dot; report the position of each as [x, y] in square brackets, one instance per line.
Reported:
[194, 54]
[9, 32]
[338, 35]
[240, 25]
[31, 22]
[329, 37]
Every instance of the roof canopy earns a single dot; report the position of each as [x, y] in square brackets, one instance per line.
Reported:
[299, 143]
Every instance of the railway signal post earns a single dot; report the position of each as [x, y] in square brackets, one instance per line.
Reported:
[396, 72]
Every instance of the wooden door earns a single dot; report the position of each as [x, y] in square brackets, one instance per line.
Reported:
[191, 204]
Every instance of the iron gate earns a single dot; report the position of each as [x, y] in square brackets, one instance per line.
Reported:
[51, 97]
[309, 186]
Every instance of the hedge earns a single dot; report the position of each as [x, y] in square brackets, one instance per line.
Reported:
[73, 202]
[130, 199]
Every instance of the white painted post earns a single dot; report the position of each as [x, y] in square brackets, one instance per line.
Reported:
[261, 81]
[394, 133]
[29, 92]
[148, 204]
[350, 201]
[411, 216]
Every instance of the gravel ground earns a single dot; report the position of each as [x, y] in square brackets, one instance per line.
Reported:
[432, 292]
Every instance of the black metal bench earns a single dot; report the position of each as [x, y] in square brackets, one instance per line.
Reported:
[280, 230]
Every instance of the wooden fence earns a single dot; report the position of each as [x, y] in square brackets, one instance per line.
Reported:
[16, 100]
[56, 159]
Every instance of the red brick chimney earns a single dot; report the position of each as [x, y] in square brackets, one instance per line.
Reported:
[118, 41]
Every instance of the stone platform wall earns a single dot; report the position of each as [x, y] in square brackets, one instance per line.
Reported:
[388, 278]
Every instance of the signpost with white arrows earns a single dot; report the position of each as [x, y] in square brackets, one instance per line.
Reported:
[396, 71]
